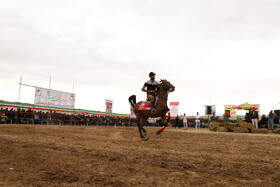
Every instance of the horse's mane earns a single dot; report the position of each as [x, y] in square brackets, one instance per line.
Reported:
[163, 81]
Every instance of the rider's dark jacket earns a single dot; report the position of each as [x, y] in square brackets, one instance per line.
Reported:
[152, 85]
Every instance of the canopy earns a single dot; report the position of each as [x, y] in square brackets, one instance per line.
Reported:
[246, 106]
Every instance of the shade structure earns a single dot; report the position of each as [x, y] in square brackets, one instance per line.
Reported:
[246, 106]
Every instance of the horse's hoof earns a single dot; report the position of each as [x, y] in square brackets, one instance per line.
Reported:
[158, 132]
[145, 139]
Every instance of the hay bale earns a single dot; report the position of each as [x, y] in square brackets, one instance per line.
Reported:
[222, 129]
[277, 131]
[260, 131]
[250, 126]
[246, 124]
[214, 125]
[240, 130]
[230, 125]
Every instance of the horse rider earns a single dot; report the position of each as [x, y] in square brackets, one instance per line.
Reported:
[151, 87]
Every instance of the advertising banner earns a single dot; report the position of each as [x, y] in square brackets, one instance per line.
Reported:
[48, 97]
[109, 105]
[231, 111]
[174, 108]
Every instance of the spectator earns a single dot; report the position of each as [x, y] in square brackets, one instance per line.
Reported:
[185, 121]
[177, 122]
[275, 120]
[247, 118]
[254, 117]
[197, 121]
[270, 123]
[3, 117]
[205, 123]
[263, 122]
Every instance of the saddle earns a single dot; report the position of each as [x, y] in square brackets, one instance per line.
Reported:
[145, 105]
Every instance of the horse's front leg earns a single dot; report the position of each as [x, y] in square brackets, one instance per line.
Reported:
[164, 123]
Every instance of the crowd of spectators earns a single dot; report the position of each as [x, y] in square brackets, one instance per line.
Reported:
[29, 116]
[45, 117]
[178, 123]
[271, 121]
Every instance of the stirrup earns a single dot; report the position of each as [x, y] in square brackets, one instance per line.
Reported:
[154, 111]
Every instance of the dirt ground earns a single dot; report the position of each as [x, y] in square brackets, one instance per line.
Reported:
[35, 155]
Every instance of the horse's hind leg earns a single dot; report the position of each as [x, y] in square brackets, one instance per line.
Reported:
[144, 132]
[140, 131]
[140, 128]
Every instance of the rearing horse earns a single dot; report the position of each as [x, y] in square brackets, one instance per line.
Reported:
[161, 106]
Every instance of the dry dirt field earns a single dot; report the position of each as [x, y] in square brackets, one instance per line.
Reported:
[34, 155]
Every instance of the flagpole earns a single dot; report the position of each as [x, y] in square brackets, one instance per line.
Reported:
[19, 88]
[50, 82]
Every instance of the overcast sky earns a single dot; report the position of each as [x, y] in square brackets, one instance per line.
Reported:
[215, 52]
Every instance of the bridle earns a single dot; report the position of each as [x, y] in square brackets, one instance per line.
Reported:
[171, 89]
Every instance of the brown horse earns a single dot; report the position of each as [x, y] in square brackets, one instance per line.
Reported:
[161, 106]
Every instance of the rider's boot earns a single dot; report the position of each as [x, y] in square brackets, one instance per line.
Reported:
[167, 109]
[154, 110]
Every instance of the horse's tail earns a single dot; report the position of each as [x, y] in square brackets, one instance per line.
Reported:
[132, 100]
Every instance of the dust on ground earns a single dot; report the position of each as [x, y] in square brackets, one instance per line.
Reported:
[35, 155]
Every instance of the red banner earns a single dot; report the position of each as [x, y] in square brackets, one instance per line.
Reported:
[174, 107]
[109, 105]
